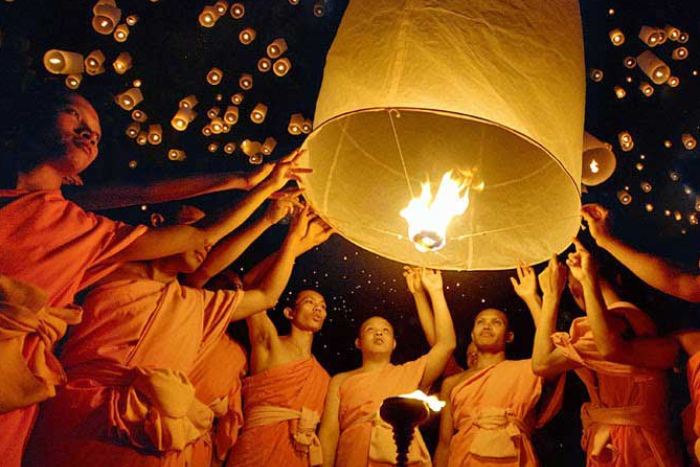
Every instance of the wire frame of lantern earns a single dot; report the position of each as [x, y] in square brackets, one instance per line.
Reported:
[689, 141]
[245, 82]
[139, 115]
[121, 33]
[73, 81]
[188, 102]
[264, 64]
[646, 89]
[237, 11]
[62, 62]
[258, 114]
[616, 37]
[276, 48]
[596, 75]
[106, 16]
[599, 161]
[237, 98]
[208, 17]
[620, 92]
[177, 155]
[155, 134]
[653, 67]
[229, 147]
[268, 145]
[624, 197]
[214, 76]
[679, 53]
[133, 130]
[129, 99]
[282, 66]
[247, 36]
[122, 63]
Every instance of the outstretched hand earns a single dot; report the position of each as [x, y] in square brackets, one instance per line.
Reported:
[526, 283]
[283, 205]
[412, 274]
[553, 279]
[581, 264]
[317, 232]
[597, 217]
[431, 279]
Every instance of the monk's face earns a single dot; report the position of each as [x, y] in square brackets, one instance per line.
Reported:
[78, 131]
[309, 311]
[472, 355]
[490, 332]
[376, 336]
[189, 261]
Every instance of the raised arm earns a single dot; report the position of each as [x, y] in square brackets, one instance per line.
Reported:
[161, 191]
[659, 353]
[329, 429]
[445, 338]
[547, 360]
[655, 271]
[412, 275]
[442, 452]
[525, 286]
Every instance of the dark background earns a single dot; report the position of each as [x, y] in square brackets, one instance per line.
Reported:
[172, 55]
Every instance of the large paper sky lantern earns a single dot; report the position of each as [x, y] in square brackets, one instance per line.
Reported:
[413, 90]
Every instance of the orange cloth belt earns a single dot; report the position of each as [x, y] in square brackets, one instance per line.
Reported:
[498, 432]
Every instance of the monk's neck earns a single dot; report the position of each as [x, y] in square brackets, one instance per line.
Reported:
[372, 362]
[301, 340]
[490, 358]
[41, 178]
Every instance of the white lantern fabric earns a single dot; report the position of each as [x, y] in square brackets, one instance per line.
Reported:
[414, 88]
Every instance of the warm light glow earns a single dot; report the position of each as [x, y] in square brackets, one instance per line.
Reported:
[276, 48]
[73, 81]
[221, 7]
[229, 148]
[428, 217]
[595, 168]
[282, 66]
[649, 207]
[231, 115]
[129, 99]
[264, 64]
[626, 141]
[646, 88]
[247, 36]
[189, 102]
[142, 138]
[217, 125]
[596, 75]
[208, 17]
[259, 113]
[624, 197]
[645, 186]
[123, 63]
[683, 37]
[133, 164]
[177, 155]
[183, 117]
[616, 37]
[432, 402]
[269, 145]
[680, 53]
[319, 9]
[237, 98]
[139, 116]
[215, 76]
[61, 62]
[630, 62]
[673, 81]
[245, 81]
[121, 34]
[213, 147]
[620, 92]
[132, 131]
[106, 17]
[688, 141]
[213, 112]
[131, 20]
[237, 10]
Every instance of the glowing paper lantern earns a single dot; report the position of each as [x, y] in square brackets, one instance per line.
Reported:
[646, 88]
[598, 161]
[121, 33]
[616, 37]
[182, 119]
[73, 81]
[221, 7]
[385, 122]
[215, 76]
[620, 92]
[251, 148]
[268, 145]
[264, 64]
[596, 75]
[139, 116]
[94, 61]
[245, 81]
[646, 187]
[259, 113]
[281, 66]
[319, 9]
[216, 125]
[106, 16]
[247, 36]
[237, 98]
[231, 115]
[680, 53]
[683, 37]
[142, 138]
[672, 32]
[61, 62]
[229, 148]
[213, 112]
[208, 17]
[630, 62]
[189, 102]
[307, 126]
[673, 81]
[177, 155]
[626, 141]
[129, 99]
[276, 48]
[132, 131]
[213, 147]
[651, 36]
[237, 10]
[689, 141]
[296, 121]
[624, 197]
[155, 134]
[122, 63]
[131, 20]
[653, 67]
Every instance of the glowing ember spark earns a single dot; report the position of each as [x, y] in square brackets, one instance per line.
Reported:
[429, 217]
[595, 168]
[433, 402]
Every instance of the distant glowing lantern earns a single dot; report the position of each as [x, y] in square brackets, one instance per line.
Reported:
[142, 138]
[653, 67]
[683, 37]
[231, 115]
[217, 125]
[251, 148]
[639, 166]
[213, 112]
[189, 102]
[646, 88]
[106, 16]
[649, 207]
[229, 147]
[206, 130]
[693, 219]
[596, 75]
[247, 36]
[646, 187]
[598, 161]
[296, 121]
[390, 122]
[133, 164]
[319, 9]
[237, 98]
[673, 81]
[155, 134]
[94, 60]
[674, 176]
[213, 147]
[73, 81]
[678, 216]
[246, 81]
[208, 17]
[136, 83]
[177, 155]
[651, 36]
[131, 20]
[268, 145]
[237, 11]
[672, 32]
[256, 159]
[133, 130]
[616, 37]
[624, 197]
[697, 203]
[122, 63]
[121, 33]
[264, 64]
[221, 7]
[276, 48]
[139, 116]
[129, 99]
[620, 92]
[182, 119]
[294, 2]
[215, 76]
[61, 62]
[307, 126]
[680, 53]
[625, 140]
[630, 62]
[281, 66]
[689, 141]
[259, 113]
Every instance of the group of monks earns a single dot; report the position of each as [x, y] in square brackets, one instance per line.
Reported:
[147, 375]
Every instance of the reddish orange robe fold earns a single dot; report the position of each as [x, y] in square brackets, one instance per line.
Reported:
[626, 422]
[129, 398]
[361, 396]
[495, 410]
[300, 386]
[51, 243]
[690, 416]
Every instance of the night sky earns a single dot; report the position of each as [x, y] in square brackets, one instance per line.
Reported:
[172, 54]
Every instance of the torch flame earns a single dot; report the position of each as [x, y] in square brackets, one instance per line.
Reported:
[429, 217]
[433, 402]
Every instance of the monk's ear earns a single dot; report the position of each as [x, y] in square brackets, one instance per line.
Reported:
[393, 347]
[288, 313]
[357, 343]
[510, 336]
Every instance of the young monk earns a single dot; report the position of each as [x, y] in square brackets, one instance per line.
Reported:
[351, 432]
[626, 421]
[493, 408]
[129, 400]
[52, 243]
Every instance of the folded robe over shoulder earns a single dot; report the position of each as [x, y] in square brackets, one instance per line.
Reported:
[626, 422]
[690, 416]
[299, 386]
[495, 410]
[51, 243]
[361, 396]
[129, 398]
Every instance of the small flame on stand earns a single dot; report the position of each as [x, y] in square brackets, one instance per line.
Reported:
[433, 402]
[429, 217]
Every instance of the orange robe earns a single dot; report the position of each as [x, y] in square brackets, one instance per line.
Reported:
[626, 422]
[363, 436]
[51, 243]
[129, 400]
[282, 406]
[494, 412]
[690, 416]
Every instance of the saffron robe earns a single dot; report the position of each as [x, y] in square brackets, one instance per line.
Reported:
[626, 422]
[51, 243]
[361, 396]
[129, 399]
[495, 410]
[691, 420]
[273, 434]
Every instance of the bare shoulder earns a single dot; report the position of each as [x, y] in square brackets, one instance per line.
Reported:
[451, 381]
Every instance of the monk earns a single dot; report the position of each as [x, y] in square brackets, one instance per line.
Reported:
[53, 244]
[351, 432]
[493, 407]
[129, 399]
[625, 423]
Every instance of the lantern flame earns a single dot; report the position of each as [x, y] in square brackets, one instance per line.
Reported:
[432, 402]
[595, 168]
[428, 217]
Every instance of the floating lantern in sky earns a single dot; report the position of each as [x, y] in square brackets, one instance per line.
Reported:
[221, 7]
[247, 36]
[673, 81]
[276, 48]
[683, 37]
[131, 20]
[630, 62]
[73, 81]
[251, 148]
[624, 197]
[206, 130]
[213, 112]
[598, 161]
[245, 81]
[142, 138]
[94, 61]
[121, 33]
[129, 99]
[155, 134]
[177, 155]
[231, 115]
[139, 116]
[208, 17]
[61, 62]
[258, 114]
[653, 67]
[237, 98]
[213, 147]
[229, 147]
[307, 126]
[645, 186]
[319, 9]
[689, 141]
[294, 2]
[625, 140]
[295, 123]
[680, 53]
[183, 117]
[188, 102]
[616, 37]
[268, 145]
[217, 125]
[672, 32]
[264, 64]
[132, 131]
[237, 11]
[620, 92]
[122, 63]
[106, 16]
[215, 76]
[651, 36]
[390, 122]
[596, 75]
[281, 66]
[646, 88]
